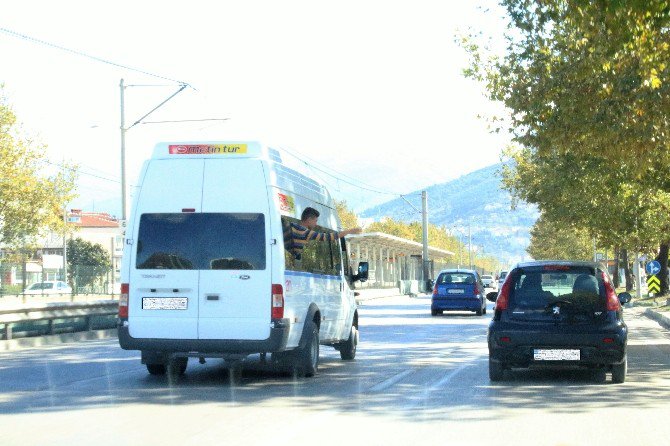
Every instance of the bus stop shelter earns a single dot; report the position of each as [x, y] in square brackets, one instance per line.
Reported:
[394, 261]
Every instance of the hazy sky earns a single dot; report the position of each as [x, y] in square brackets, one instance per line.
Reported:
[372, 89]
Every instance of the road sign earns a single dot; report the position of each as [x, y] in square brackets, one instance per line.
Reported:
[653, 268]
[600, 257]
[653, 284]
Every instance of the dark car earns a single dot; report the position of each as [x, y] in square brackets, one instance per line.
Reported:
[558, 314]
[458, 290]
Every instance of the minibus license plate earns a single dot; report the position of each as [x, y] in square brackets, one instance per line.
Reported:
[164, 303]
[556, 355]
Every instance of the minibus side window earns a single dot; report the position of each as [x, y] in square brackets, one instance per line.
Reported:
[319, 257]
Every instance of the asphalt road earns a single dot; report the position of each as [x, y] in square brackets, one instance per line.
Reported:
[417, 380]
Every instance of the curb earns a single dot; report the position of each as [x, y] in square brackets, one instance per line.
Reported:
[42, 341]
[662, 319]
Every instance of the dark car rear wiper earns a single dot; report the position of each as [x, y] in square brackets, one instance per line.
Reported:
[554, 303]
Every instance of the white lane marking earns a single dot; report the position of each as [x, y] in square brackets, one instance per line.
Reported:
[448, 377]
[390, 381]
[426, 394]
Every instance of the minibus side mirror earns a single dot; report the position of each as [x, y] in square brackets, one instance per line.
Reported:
[363, 269]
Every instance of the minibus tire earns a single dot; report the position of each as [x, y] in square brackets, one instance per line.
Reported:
[348, 348]
[307, 358]
[177, 366]
[156, 369]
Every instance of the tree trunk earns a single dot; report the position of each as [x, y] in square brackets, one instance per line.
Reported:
[615, 276]
[662, 258]
[627, 273]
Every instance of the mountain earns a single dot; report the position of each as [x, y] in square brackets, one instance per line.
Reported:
[476, 200]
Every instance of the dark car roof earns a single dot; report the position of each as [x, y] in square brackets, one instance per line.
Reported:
[557, 262]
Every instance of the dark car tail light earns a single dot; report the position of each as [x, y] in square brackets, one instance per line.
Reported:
[435, 290]
[612, 299]
[502, 303]
[476, 289]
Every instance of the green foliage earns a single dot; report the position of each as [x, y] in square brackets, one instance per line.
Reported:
[92, 257]
[348, 218]
[30, 202]
[550, 240]
[586, 87]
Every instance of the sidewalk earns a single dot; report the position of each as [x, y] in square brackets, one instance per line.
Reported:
[662, 316]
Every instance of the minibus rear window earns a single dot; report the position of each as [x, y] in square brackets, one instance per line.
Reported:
[201, 241]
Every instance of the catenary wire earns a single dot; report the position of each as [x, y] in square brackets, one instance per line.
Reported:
[88, 56]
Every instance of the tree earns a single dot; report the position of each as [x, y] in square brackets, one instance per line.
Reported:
[347, 217]
[86, 262]
[584, 77]
[551, 240]
[585, 84]
[30, 202]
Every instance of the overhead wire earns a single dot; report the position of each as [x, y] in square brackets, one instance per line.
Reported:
[88, 56]
[338, 175]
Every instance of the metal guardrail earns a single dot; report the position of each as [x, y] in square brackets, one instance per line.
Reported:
[51, 312]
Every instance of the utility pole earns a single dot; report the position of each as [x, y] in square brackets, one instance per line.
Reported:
[424, 218]
[124, 188]
[124, 129]
[65, 244]
[460, 251]
[637, 272]
[470, 244]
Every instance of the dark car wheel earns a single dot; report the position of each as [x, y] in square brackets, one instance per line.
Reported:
[496, 370]
[619, 371]
[479, 312]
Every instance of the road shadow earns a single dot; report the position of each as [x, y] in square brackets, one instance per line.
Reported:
[404, 368]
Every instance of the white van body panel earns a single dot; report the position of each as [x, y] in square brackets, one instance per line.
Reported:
[183, 190]
[229, 310]
[243, 308]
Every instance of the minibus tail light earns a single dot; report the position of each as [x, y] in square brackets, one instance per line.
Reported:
[277, 301]
[123, 301]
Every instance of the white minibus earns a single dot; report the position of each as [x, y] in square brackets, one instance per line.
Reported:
[206, 271]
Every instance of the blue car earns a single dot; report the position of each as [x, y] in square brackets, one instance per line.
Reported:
[458, 290]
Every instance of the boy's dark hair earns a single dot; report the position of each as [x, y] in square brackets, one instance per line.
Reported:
[309, 213]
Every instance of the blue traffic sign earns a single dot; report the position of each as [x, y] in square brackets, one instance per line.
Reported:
[653, 268]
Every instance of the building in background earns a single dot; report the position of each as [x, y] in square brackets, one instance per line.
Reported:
[46, 262]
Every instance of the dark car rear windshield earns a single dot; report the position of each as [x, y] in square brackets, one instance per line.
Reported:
[202, 241]
[543, 286]
[456, 277]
